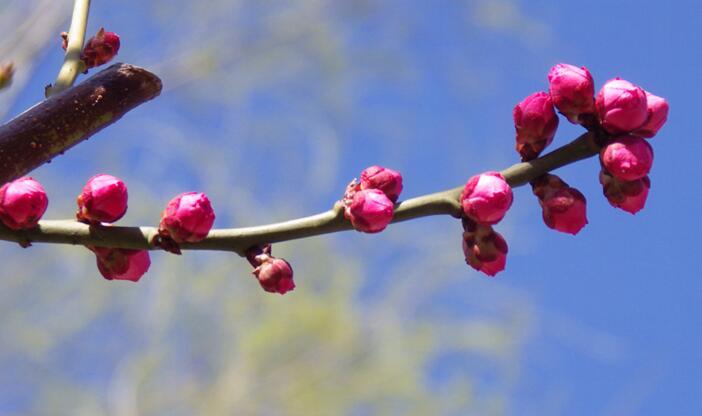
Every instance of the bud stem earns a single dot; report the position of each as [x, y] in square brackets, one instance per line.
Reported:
[72, 63]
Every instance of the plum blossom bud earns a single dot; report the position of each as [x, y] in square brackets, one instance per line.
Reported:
[621, 106]
[104, 199]
[536, 123]
[484, 249]
[274, 275]
[187, 218]
[122, 263]
[628, 158]
[387, 180]
[564, 208]
[629, 196]
[572, 91]
[657, 116]
[486, 198]
[100, 49]
[6, 73]
[22, 203]
[369, 211]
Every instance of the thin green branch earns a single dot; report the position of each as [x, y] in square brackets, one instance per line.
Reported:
[72, 64]
[240, 239]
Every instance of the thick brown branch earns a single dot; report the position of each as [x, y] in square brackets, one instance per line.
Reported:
[239, 239]
[64, 120]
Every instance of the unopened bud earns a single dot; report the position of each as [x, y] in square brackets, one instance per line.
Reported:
[121, 263]
[657, 116]
[621, 106]
[535, 122]
[369, 211]
[629, 196]
[484, 249]
[100, 49]
[572, 91]
[273, 274]
[486, 198]
[387, 180]
[104, 199]
[628, 158]
[564, 208]
[187, 218]
[22, 203]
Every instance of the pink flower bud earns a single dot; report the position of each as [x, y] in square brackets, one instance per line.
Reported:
[486, 198]
[563, 207]
[621, 106]
[572, 91]
[628, 158]
[22, 203]
[484, 249]
[384, 179]
[657, 116]
[100, 49]
[121, 263]
[370, 211]
[629, 196]
[187, 218]
[104, 199]
[536, 123]
[275, 275]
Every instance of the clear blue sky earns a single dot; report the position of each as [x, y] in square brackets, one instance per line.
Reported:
[621, 302]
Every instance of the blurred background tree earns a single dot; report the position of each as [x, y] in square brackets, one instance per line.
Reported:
[261, 108]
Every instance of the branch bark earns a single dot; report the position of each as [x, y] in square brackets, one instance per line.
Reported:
[65, 119]
[238, 240]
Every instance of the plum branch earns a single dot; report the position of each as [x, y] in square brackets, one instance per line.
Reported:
[238, 240]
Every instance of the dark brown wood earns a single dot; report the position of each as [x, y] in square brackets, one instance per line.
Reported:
[58, 123]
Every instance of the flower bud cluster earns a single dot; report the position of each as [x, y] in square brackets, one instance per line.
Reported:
[102, 202]
[273, 274]
[369, 204]
[621, 112]
[485, 200]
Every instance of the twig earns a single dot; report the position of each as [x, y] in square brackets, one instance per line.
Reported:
[240, 239]
[72, 63]
[64, 120]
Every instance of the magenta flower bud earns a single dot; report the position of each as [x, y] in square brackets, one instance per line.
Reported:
[100, 49]
[104, 199]
[564, 208]
[370, 211]
[621, 106]
[536, 123]
[187, 218]
[121, 263]
[275, 275]
[572, 91]
[387, 180]
[486, 198]
[628, 158]
[629, 196]
[22, 203]
[657, 116]
[484, 249]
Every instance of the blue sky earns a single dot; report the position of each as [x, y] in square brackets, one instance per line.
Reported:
[428, 88]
